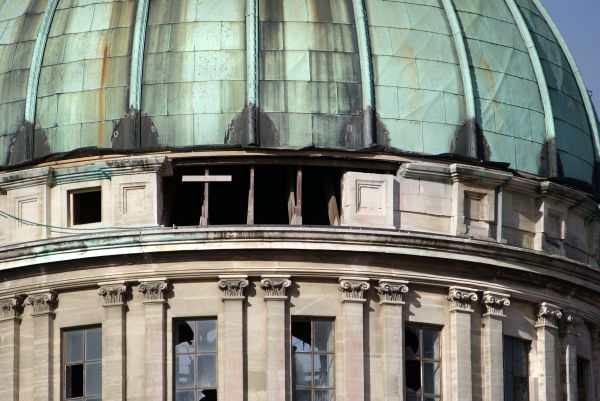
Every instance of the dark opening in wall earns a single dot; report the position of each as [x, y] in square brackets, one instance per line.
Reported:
[183, 200]
[86, 206]
[273, 189]
[228, 201]
[321, 196]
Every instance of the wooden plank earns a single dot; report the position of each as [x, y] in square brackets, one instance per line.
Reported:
[206, 178]
[298, 208]
[250, 214]
[204, 212]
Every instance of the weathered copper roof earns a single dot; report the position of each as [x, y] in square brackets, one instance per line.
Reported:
[487, 80]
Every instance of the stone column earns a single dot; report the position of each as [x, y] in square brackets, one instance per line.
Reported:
[391, 300]
[233, 333]
[461, 307]
[275, 288]
[113, 340]
[492, 345]
[155, 375]
[548, 316]
[43, 304]
[568, 355]
[10, 312]
[353, 359]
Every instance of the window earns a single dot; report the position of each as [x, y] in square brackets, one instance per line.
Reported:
[85, 206]
[312, 360]
[423, 364]
[82, 355]
[516, 369]
[582, 378]
[196, 360]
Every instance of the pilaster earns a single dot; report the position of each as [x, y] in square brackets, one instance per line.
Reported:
[492, 344]
[114, 360]
[10, 312]
[275, 288]
[233, 288]
[548, 317]
[461, 306]
[569, 332]
[391, 293]
[154, 293]
[353, 360]
[43, 304]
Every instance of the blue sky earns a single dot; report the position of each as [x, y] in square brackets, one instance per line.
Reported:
[579, 23]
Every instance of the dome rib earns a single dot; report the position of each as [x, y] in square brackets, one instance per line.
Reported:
[137, 54]
[541, 79]
[465, 71]
[37, 59]
[252, 60]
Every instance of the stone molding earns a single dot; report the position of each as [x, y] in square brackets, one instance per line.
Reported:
[353, 288]
[391, 292]
[548, 316]
[154, 291]
[494, 303]
[478, 176]
[11, 308]
[233, 286]
[425, 171]
[42, 302]
[275, 286]
[462, 299]
[113, 293]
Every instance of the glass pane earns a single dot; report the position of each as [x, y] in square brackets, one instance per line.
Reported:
[74, 346]
[508, 387]
[301, 370]
[507, 351]
[521, 389]
[520, 355]
[301, 339]
[207, 395]
[184, 371]
[323, 336]
[413, 375]
[207, 371]
[431, 399]
[93, 379]
[206, 339]
[324, 372]
[185, 396]
[323, 395]
[431, 378]
[411, 343]
[412, 398]
[93, 399]
[431, 344]
[74, 381]
[184, 341]
[93, 343]
[301, 395]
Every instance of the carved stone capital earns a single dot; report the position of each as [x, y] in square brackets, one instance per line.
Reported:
[494, 303]
[548, 315]
[154, 291]
[570, 324]
[462, 299]
[113, 293]
[233, 286]
[392, 291]
[11, 308]
[353, 288]
[42, 302]
[275, 286]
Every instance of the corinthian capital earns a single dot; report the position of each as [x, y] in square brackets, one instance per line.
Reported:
[392, 291]
[154, 291]
[494, 303]
[353, 288]
[233, 286]
[113, 293]
[548, 315]
[11, 308]
[462, 299]
[570, 324]
[42, 302]
[275, 286]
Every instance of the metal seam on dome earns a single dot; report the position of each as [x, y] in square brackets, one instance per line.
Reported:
[37, 59]
[252, 67]
[465, 72]
[541, 79]
[137, 55]
[366, 70]
[582, 88]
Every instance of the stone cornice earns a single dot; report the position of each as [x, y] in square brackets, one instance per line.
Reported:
[462, 299]
[548, 316]
[275, 286]
[113, 293]
[11, 307]
[155, 290]
[425, 171]
[42, 302]
[494, 303]
[478, 176]
[391, 292]
[233, 286]
[353, 288]
[25, 178]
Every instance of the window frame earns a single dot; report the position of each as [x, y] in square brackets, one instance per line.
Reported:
[528, 346]
[312, 388]
[64, 361]
[422, 360]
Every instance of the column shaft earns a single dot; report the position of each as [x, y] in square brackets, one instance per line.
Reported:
[569, 362]
[113, 354]
[9, 359]
[460, 342]
[42, 363]
[393, 352]
[234, 350]
[156, 358]
[546, 358]
[354, 358]
[276, 350]
[492, 359]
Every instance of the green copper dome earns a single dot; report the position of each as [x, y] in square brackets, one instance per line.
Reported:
[476, 79]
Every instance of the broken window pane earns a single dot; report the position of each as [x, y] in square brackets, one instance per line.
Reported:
[74, 381]
[422, 363]
[184, 341]
[301, 336]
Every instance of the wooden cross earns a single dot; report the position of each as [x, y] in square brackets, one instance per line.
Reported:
[206, 179]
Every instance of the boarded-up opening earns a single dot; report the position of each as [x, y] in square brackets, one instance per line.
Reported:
[228, 201]
[321, 196]
[273, 185]
[183, 200]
